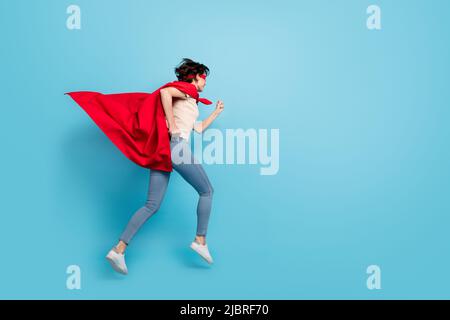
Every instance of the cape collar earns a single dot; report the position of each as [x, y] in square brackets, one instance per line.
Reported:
[190, 89]
[196, 95]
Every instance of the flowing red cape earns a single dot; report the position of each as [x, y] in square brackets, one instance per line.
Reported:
[135, 122]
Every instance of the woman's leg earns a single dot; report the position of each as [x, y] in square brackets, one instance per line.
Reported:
[195, 175]
[156, 190]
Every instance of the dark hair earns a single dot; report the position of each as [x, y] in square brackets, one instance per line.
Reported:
[189, 67]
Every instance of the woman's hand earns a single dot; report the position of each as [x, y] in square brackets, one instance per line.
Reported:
[174, 130]
[219, 107]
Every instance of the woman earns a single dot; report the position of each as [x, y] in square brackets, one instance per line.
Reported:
[181, 113]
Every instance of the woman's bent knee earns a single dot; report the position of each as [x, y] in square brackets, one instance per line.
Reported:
[207, 193]
[151, 206]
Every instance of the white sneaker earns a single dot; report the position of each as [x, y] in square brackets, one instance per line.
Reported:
[202, 250]
[117, 261]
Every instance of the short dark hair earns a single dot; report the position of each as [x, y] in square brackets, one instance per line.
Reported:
[189, 67]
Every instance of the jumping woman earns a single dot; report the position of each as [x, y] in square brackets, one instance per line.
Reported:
[153, 130]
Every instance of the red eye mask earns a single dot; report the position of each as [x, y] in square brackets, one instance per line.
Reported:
[192, 76]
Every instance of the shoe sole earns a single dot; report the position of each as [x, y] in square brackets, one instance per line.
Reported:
[201, 255]
[114, 266]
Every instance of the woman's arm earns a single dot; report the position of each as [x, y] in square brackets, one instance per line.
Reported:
[200, 127]
[167, 94]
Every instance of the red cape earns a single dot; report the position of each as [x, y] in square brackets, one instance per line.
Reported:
[135, 122]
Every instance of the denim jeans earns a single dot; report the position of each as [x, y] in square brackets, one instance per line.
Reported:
[186, 165]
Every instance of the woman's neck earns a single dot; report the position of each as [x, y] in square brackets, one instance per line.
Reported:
[195, 85]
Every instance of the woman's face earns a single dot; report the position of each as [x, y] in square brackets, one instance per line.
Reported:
[201, 83]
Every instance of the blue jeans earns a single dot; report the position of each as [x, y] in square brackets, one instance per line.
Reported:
[185, 164]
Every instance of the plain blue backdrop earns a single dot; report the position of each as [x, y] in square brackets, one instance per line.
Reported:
[364, 149]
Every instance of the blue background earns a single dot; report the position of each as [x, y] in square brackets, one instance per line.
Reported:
[364, 150]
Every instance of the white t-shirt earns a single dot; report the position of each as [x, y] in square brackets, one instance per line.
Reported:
[185, 113]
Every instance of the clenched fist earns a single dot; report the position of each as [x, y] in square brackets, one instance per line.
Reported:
[219, 106]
